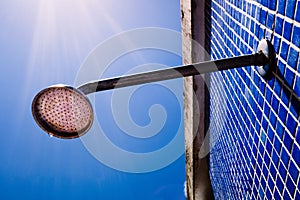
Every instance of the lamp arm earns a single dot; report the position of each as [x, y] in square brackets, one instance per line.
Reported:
[259, 59]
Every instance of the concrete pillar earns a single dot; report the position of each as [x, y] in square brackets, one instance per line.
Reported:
[193, 35]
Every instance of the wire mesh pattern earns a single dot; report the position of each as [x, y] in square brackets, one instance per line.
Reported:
[256, 155]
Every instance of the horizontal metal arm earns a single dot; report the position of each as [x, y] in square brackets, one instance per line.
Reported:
[176, 72]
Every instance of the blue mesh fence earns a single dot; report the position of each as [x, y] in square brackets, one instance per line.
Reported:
[256, 154]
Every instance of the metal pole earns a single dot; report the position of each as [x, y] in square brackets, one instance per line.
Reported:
[176, 72]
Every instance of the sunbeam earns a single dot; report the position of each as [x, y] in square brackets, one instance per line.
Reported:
[63, 34]
[45, 42]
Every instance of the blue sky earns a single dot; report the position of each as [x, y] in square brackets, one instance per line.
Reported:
[44, 42]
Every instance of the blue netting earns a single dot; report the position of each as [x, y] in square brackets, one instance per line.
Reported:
[256, 154]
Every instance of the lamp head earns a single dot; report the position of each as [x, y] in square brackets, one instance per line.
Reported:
[63, 111]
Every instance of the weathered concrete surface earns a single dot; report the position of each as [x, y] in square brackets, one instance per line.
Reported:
[197, 175]
[188, 91]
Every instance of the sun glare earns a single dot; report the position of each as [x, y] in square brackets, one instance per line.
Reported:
[63, 34]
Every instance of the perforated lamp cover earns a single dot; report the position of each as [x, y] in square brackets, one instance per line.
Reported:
[62, 111]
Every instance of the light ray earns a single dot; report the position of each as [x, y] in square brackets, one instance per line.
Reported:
[65, 31]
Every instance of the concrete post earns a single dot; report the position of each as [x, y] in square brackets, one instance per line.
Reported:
[193, 28]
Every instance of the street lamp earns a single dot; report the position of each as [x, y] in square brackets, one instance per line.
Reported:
[65, 112]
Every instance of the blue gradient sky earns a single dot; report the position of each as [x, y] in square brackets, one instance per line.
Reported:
[44, 42]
